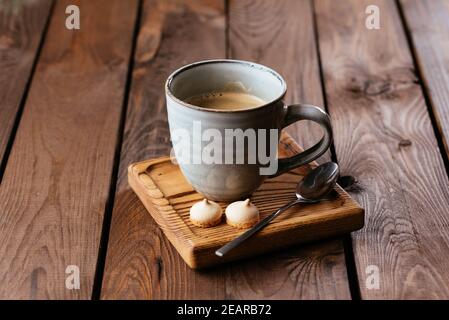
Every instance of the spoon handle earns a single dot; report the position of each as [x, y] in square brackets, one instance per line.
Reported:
[260, 225]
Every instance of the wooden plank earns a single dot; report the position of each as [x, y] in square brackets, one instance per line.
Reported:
[280, 34]
[55, 186]
[22, 25]
[428, 22]
[141, 263]
[384, 138]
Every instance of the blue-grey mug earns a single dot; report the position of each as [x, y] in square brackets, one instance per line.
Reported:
[228, 180]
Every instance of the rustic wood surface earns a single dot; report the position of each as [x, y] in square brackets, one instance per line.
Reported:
[428, 22]
[384, 138]
[141, 263]
[280, 34]
[73, 116]
[329, 279]
[55, 187]
[21, 30]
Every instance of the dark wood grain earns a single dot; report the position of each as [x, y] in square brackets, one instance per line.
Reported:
[55, 186]
[384, 138]
[280, 34]
[21, 28]
[314, 271]
[141, 263]
[428, 22]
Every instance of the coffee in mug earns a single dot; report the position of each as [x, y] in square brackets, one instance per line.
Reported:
[226, 100]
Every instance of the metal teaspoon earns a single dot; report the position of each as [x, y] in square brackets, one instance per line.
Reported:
[311, 189]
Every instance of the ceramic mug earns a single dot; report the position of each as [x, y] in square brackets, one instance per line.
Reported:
[233, 180]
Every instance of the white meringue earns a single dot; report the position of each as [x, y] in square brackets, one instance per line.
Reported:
[206, 213]
[242, 214]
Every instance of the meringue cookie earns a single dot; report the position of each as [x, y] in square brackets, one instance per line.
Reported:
[206, 213]
[242, 214]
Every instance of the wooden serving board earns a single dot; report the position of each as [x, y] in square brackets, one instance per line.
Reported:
[167, 195]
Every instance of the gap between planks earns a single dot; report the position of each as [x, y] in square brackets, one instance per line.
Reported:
[104, 238]
[12, 135]
[351, 269]
[425, 90]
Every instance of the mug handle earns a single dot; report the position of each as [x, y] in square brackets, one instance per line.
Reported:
[298, 112]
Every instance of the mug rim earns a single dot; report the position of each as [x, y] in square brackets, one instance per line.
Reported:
[202, 62]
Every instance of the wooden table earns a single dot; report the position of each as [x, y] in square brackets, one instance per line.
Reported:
[78, 106]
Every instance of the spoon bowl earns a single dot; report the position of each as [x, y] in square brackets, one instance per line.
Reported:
[318, 182]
